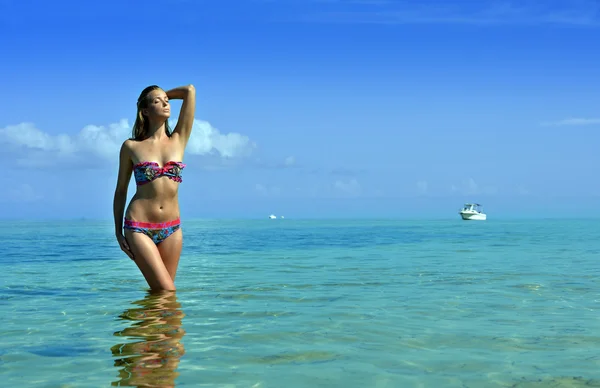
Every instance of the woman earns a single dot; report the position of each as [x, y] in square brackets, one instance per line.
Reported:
[150, 233]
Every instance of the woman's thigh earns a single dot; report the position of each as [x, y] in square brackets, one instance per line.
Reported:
[170, 251]
[148, 259]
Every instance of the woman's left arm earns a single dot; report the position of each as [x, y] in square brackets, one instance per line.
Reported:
[186, 116]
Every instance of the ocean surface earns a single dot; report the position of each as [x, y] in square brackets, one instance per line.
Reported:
[306, 303]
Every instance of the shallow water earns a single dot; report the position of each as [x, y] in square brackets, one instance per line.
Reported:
[317, 303]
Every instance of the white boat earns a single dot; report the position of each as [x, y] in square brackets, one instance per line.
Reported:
[472, 212]
[272, 216]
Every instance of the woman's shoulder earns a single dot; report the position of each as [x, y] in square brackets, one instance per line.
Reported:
[128, 146]
[130, 143]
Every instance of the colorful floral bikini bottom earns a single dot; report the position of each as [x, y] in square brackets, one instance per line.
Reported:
[157, 231]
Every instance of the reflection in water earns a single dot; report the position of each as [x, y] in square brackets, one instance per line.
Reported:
[155, 325]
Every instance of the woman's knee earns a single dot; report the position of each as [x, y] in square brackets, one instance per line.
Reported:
[157, 276]
[164, 285]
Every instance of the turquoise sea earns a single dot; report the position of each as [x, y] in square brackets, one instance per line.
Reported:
[306, 303]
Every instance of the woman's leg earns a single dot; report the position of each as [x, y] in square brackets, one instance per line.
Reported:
[148, 259]
[170, 251]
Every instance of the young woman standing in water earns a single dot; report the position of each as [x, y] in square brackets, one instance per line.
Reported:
[150, 231]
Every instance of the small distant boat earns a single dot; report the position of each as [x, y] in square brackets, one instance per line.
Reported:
[472, 212]
[272, 216]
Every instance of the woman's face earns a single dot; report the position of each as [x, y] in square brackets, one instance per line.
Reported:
[158, 105]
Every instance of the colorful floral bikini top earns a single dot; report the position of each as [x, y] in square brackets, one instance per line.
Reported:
[146, 172]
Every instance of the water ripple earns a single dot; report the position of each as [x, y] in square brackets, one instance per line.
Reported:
[328, 303]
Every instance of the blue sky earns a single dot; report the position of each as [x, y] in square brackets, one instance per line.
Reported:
[309, 108]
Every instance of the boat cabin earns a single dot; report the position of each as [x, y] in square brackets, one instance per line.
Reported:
[473, 207]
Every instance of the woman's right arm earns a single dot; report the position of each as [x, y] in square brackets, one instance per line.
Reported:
[125, 171]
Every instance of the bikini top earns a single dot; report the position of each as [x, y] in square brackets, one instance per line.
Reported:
[146, 172]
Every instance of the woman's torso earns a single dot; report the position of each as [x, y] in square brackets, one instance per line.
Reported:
[156, 198]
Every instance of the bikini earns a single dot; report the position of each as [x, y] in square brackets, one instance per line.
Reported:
[146, 172]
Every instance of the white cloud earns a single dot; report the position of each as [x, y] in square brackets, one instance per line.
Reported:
[206, 139]
[573, 121]
[104, 142]
[27, 135]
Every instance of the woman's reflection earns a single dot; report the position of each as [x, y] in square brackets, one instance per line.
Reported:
[155, 324]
